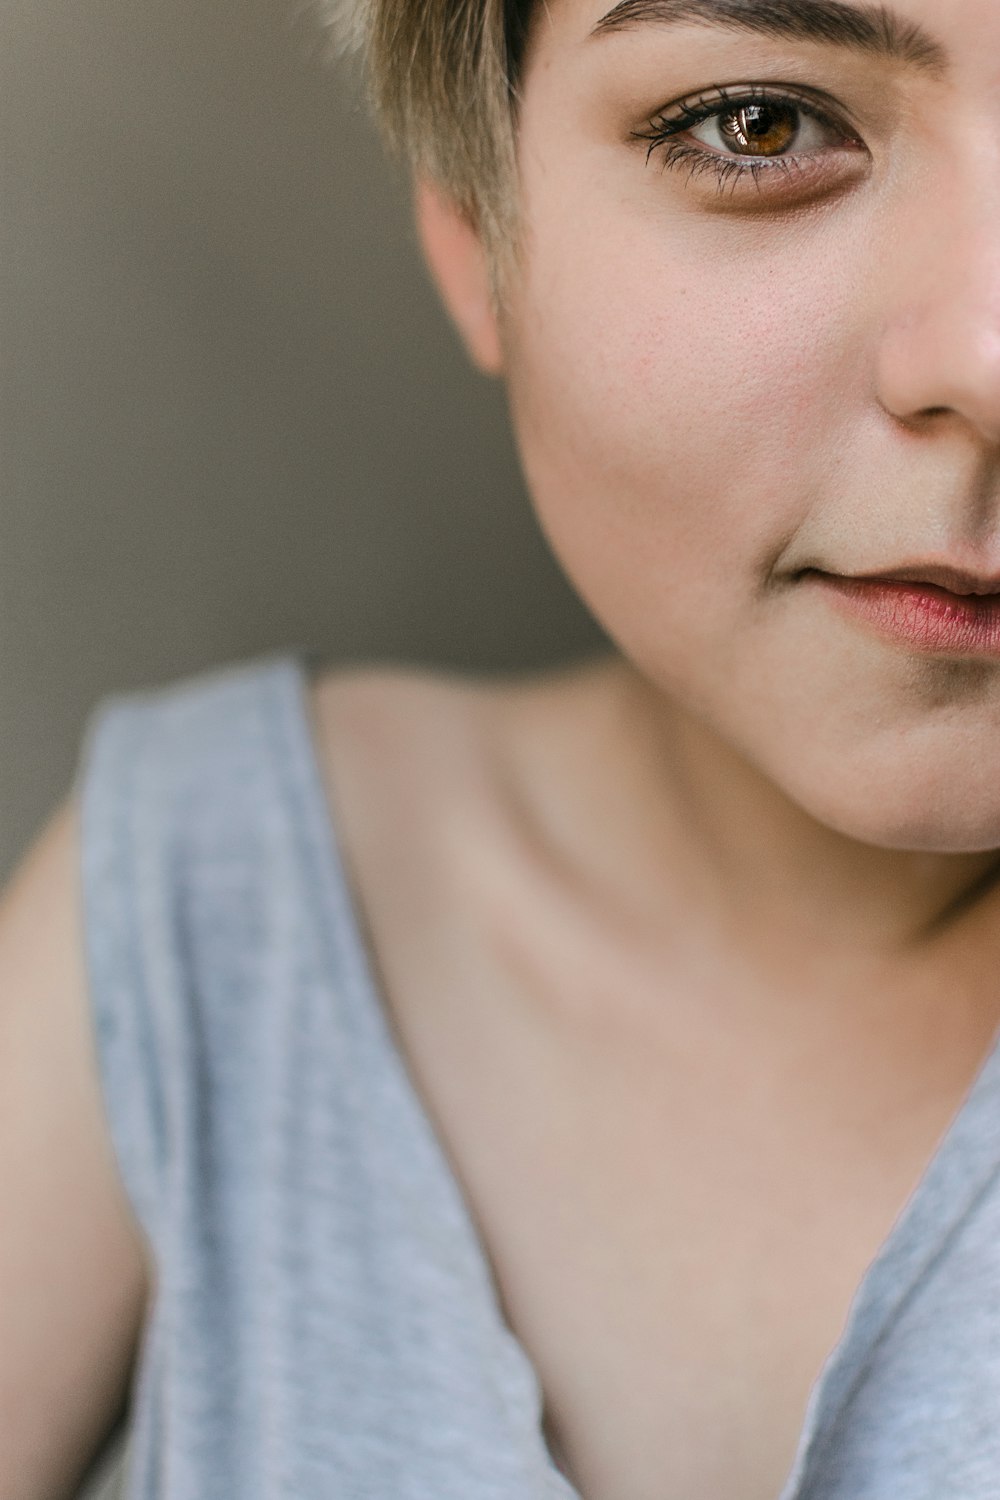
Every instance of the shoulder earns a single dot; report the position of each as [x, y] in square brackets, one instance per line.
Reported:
[431, 715]
[400, 730]
[415, 763]
[461, 744]
[451, 788]
[379, 700]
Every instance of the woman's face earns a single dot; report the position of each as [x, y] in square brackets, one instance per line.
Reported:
[756, 350]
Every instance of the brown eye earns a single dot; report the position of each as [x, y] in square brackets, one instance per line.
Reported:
[762, 129]
[757, 135]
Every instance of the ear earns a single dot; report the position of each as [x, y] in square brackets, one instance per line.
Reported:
[457, 261]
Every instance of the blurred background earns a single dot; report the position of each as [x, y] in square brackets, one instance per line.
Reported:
[234, 416]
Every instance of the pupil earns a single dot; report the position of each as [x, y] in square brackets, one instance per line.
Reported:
[760, 129]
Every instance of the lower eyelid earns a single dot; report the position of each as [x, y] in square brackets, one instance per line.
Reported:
[757, 182]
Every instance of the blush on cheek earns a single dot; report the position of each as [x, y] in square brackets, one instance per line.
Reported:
[674, 415]
[665, 434]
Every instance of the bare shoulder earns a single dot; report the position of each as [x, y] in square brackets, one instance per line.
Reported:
[415, 732]
[449, 793]
[407, 755]
[429, 776]
[431, 716]
[382, 696]
[387, 729]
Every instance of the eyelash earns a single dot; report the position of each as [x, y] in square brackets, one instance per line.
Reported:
[664, 130]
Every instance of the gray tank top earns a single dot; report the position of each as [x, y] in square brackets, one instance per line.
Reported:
[325, 1325]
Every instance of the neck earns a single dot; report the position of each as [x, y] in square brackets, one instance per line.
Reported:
[674, 813]
[773, 867]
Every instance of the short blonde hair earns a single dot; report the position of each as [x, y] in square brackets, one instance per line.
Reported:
[442, 78]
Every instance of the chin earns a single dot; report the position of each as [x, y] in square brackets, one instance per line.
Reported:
[906, 803]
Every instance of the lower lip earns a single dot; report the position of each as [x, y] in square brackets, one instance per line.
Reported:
[920, 615]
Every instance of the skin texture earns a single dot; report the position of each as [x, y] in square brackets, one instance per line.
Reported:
[713, 390]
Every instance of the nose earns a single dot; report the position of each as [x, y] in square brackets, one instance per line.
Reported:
[939, 357]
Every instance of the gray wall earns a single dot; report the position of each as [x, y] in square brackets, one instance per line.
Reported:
[232, 414]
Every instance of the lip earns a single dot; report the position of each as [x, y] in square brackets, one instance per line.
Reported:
[954, 580]
[912, 607]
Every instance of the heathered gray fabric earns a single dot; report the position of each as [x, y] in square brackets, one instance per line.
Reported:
[325, 1325]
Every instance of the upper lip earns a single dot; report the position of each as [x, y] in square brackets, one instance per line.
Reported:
[955, 580]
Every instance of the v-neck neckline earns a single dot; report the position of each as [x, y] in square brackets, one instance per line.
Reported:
[964, 1163]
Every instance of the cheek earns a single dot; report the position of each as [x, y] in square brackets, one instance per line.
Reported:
[676, 407]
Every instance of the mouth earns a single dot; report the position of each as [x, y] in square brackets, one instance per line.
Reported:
[929, 608]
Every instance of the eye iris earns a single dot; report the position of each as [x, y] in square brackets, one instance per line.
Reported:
[760, 129]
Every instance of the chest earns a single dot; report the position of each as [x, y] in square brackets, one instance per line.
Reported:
[675, 1231]
[676, 1218]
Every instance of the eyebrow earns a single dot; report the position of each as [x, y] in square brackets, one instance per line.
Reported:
[869, 28]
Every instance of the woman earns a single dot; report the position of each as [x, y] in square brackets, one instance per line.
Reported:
[583, 1084]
